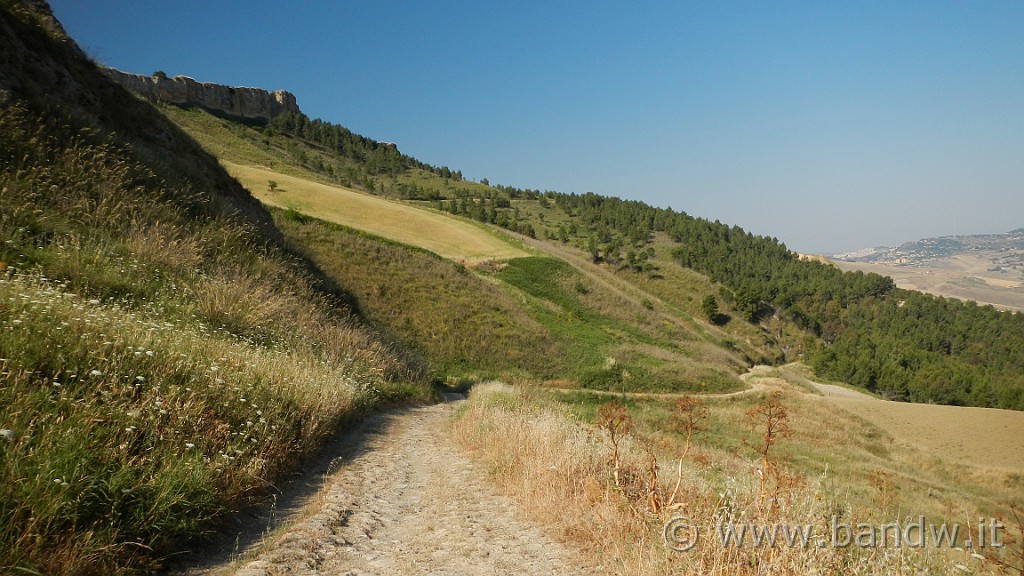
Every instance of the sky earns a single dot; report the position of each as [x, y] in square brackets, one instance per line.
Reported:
[831, 126]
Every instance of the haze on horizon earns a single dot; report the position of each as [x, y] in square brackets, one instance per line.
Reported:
[831, 126]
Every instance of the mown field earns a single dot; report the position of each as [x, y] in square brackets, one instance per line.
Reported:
[448, 237]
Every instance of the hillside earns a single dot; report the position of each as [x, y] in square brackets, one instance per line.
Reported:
[587, 330]
[772, 305]
[165, 358]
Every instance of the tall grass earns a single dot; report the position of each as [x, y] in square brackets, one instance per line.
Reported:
[159, 364]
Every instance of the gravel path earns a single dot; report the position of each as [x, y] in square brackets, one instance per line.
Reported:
[409, 503]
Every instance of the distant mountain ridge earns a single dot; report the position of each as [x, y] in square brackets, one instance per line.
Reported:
[239, 101]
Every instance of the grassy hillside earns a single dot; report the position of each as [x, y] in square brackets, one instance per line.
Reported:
[164, 357]
[533, 317]
[465, 324]
[594, 334]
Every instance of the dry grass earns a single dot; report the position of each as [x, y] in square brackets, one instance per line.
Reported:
[447, 236]
[561, 472]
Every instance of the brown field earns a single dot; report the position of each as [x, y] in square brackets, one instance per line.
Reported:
[444, 235]
[966, 277]
[985, 437]
[979, 436]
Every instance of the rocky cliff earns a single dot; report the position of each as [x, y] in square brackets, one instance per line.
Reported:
[249, 103]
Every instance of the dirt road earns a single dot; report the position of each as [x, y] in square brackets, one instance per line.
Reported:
[407, 503]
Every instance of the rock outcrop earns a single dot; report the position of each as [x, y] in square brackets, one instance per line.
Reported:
[241, 102]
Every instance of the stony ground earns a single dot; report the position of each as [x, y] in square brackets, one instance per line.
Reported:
[406, 502]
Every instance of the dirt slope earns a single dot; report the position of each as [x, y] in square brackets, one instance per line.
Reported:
[408, 503]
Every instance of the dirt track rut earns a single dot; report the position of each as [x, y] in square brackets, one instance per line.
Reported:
[410, 503]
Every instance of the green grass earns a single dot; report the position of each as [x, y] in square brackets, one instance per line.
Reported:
[613, 344]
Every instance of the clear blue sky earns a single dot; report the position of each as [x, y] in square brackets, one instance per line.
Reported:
[830, 125]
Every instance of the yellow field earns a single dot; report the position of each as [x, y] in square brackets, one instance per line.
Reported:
[444, 235]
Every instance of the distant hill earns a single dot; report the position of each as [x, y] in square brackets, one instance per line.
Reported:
[744, 293]
[1004, 250]
[985, 268]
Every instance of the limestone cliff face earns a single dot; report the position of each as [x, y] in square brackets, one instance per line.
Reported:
[250, 103]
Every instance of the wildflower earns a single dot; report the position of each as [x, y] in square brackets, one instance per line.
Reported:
[95, 373]
[149, 352]
[189, 445]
